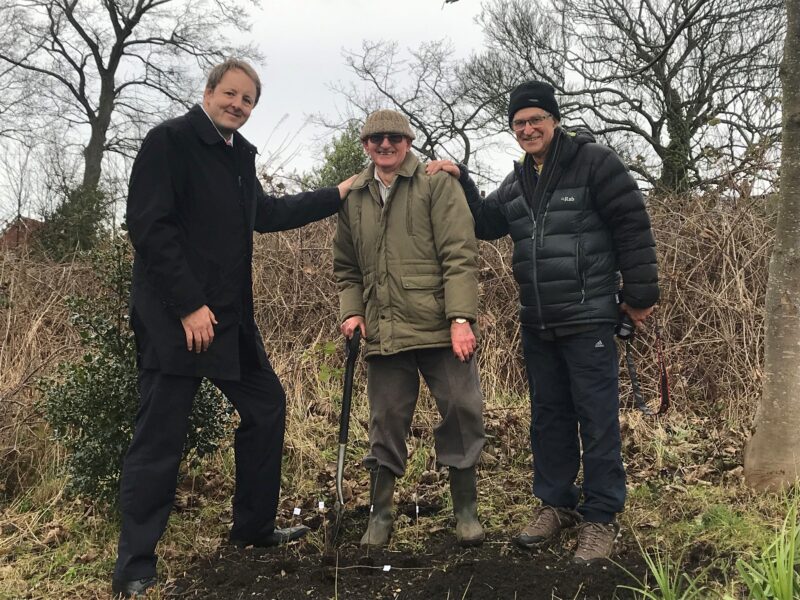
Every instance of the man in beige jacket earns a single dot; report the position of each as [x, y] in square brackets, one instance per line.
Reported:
[405, 261]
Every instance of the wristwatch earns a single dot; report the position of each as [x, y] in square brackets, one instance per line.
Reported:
[459, 320]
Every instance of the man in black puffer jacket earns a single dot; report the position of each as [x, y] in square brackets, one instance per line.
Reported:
[578, 221]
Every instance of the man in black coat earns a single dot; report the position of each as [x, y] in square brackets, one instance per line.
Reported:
[578, 221]
[194, 201]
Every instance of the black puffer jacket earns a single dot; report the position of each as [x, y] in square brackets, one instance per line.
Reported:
[590, 225]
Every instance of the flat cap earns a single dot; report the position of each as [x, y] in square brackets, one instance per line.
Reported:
[386, 121]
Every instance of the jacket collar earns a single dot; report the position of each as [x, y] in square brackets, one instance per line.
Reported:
[206, 131]
[566, 147]
[563, 148]
[407, 169]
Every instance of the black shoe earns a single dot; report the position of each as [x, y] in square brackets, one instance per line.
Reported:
[132, 588]
[276, 538]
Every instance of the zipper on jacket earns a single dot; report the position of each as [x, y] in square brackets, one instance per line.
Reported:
[535, 272]
[545, 184]
[581, 274]
[546, 200]
[543, 221]
[536, 225]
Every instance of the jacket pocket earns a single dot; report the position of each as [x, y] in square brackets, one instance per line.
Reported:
[368, 282]
[368, 287]
[370, 307]
[423, 301]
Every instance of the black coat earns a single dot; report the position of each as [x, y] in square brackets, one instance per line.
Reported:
[193, 204]
[585, 222]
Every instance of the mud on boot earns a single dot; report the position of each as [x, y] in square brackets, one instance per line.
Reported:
[465, 506]
[381, 485]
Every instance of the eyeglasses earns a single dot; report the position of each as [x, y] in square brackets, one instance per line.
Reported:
[377, 138]
[519, 124]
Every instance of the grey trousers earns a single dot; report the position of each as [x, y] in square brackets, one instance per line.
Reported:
[393, 388]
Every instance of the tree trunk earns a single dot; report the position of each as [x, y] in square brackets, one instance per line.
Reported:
[95, 149]
[93, 158]
[674, 177]
[676, 157]
[772, 456]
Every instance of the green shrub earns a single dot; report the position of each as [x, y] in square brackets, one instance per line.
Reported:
[343, 157]
[91, 403]
[75, 225]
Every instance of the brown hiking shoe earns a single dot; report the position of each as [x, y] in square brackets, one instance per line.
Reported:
[595, 542]
[549, 521]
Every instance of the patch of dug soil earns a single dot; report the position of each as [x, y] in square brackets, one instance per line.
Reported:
[440, 570]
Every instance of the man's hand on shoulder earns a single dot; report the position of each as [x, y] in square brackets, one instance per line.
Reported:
[448, 166]
[199, 329]
[344, 186]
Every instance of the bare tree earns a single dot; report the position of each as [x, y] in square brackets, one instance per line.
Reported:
[15, 178]
[110, 68]
[772, 456]
[686, 90]
[425, 87]
[33, 174]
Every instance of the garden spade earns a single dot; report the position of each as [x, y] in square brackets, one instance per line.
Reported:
[351, 349]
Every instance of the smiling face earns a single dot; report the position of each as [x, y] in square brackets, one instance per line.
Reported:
[230, 103]
[535, 139]
[388, 157]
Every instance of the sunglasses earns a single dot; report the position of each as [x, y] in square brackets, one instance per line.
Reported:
[377, 138]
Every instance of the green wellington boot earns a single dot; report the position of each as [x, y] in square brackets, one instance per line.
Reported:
[381, 483]
[465, 506]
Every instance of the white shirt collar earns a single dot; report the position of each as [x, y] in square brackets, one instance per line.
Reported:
[229, 142]
[383, 188]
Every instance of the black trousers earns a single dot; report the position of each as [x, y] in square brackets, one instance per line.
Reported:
[575, 406]
[150, 468]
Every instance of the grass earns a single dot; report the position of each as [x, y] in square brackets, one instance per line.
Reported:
[669, 581]
[687, 505]
[706, 527]
[766, 567]
[772, 572]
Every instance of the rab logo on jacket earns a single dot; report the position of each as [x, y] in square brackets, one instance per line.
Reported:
[568, 198]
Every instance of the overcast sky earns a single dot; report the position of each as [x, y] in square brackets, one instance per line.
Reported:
[302, 41]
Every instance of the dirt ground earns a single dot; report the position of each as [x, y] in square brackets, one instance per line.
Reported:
[438, 569]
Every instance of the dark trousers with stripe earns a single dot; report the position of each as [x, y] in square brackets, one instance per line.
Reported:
[575, 405]
[150, 468]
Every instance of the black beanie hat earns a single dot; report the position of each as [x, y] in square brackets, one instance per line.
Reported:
[533, 94]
